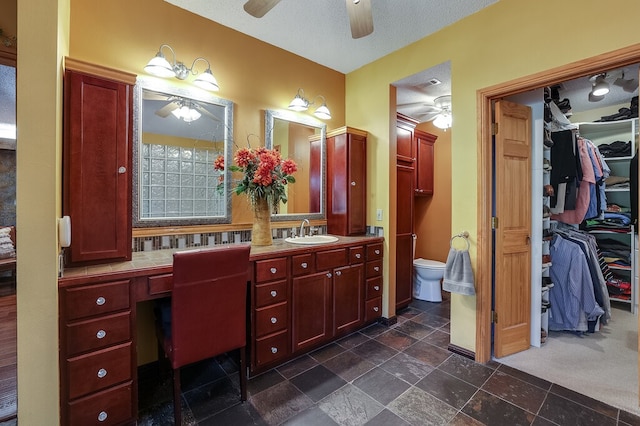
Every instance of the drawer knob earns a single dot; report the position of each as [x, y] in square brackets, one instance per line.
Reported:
[102, 416]
[304, 265]
[376, 268]
[338, 273]
[377, 251]
[329, 275]
[101, 334]
[101, 373]
[274, 350]
[353, 183]
[376, 309]
[357, 255]
[101, 301]
[274, 320]
[274, 293]
[273, 270]
[122, 169]
[376, 287]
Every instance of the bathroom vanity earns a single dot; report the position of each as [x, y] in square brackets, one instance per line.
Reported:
[301, 297]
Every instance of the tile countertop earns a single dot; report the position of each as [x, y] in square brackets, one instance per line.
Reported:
[161, 260]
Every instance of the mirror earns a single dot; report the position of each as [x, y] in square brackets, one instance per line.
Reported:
[301, 139]
[178, 133]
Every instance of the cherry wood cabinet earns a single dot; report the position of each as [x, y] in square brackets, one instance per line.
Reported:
[404, 235]
[98, 131]
[424, 143]
[346, 181]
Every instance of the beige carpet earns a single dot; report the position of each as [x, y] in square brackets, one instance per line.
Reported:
[602, 365]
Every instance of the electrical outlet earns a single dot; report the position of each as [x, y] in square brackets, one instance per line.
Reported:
[379, 214]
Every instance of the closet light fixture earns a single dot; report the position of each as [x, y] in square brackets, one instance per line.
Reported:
[300, 103]
[160, 67]
[600, 86]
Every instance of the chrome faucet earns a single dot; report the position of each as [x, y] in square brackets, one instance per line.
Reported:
[302, 226]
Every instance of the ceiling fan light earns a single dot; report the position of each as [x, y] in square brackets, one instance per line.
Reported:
[600, 88]
[186, 113]
[443, 120]
[160, 67]
[323, 112]
[207, 81]
[299, 103]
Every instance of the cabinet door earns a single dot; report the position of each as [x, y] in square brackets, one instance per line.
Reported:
[348, 298]
[404, 137]
[404, 236]
[311, 310]
[424, 165]
[357, 185]
[97, 167]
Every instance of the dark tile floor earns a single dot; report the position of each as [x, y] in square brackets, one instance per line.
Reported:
[398, 375]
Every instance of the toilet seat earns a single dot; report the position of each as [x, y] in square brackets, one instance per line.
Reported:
[427, 263]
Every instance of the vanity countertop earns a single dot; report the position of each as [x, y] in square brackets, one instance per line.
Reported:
[160, 261]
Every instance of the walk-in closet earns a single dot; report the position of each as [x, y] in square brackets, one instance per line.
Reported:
[584, 296]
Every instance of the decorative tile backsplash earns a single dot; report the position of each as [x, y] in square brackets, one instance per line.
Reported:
[214, 238]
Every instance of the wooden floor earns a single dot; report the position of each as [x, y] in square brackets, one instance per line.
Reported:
[8, 357]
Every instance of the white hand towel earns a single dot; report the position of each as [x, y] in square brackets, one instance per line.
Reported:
[458, 275]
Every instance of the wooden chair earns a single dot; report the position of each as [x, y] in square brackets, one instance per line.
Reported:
[208, 311]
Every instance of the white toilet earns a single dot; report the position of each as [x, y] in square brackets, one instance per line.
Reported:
[427, 275]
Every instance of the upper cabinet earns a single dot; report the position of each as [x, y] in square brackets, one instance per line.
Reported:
[424, 143]
[98, 114]
[346, 181]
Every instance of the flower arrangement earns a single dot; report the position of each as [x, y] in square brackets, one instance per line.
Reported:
[266, 174]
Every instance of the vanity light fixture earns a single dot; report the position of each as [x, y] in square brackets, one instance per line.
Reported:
[300, 103]
[160, 67]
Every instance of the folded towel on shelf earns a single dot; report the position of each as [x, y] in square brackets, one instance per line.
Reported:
[458, 275]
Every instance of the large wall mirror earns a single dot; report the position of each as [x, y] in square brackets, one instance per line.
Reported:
[178, 133]
[303, 140]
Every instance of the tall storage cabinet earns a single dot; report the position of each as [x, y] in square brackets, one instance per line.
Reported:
[346, 181]
[97, 159]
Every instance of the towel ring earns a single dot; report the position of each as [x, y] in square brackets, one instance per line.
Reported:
[464, 236]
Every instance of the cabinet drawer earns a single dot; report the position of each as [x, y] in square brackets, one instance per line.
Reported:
[98, 333]
[372, 309]
[374, 268]
[110, 407]
[268, 294]
[97, 299]
[356, 254]
[98, 370]
[271, 319]
[330, 259]
[303, 264]
[271, 269]
[374, 251]
[374, 288]
[271, 348]
[159, 284]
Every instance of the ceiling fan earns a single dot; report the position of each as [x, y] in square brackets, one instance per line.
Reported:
[360, 17]
[176, 103]
[441, 107]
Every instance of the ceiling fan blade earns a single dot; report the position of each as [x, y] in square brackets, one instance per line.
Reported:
[259, 8]
[360, 17]
[205, 111]
[166, 110]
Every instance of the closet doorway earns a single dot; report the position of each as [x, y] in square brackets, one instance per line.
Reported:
[613, 60]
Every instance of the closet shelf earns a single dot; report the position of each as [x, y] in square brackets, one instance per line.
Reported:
[616, 189]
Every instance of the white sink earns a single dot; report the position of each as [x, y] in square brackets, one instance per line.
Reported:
[314, 239]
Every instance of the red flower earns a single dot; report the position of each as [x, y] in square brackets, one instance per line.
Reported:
[218, 164]
[244, 156]
[289, 167]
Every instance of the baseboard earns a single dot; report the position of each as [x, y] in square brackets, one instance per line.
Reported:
[388, 321]
[461, 351]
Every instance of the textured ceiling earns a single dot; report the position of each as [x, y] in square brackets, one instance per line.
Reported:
[319, 29]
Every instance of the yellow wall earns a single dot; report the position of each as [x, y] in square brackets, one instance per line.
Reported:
[508, 40]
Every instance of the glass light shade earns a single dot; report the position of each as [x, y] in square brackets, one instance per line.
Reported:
[160, 67]
[443, 121]
[323, 112]
[601, 87]
[299, 104]
[186, 114]
[207, 81]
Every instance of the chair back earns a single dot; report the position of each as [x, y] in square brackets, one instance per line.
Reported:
[208, 302]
